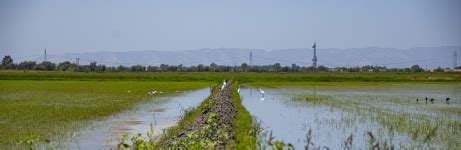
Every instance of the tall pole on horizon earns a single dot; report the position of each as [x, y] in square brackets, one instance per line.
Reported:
[455, 60]
[77, 61]
[45, 54]
[314, 60]
[251, 58]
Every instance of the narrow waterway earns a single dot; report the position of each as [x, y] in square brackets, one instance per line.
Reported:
[156, 114]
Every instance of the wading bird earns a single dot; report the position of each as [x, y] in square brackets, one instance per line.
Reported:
[224, 84]
[432, 100]
[426, 100]
[238, 90]
[446, 100]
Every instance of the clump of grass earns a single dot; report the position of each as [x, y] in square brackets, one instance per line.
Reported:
[32, 141]
[311, 98]
[375, 143]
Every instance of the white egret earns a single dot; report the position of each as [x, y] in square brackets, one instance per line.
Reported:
[223, 85]
[238, 90]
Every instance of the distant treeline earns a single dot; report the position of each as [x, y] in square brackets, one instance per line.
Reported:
[8, 64]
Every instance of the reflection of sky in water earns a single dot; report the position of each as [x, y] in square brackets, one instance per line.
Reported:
[162, 112]
[395, 99]
[290, 121]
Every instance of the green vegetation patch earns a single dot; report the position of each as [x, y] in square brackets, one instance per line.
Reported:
[244, 127]
[242, 77]
[55, 109]
[189, 116]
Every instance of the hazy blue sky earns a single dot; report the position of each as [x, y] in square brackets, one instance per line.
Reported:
[95, 25]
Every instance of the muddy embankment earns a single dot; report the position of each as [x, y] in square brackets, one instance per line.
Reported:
[213, 127]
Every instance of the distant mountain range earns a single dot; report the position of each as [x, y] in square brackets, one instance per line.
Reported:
[426, 57]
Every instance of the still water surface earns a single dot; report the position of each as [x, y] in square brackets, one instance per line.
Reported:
[160, 112]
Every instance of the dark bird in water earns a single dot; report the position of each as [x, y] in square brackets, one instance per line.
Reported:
[426, 100]
[432, 100]
[417, 100]
[448, 99]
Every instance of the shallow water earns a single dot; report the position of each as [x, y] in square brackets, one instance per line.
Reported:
[291, 120]
[160, 112]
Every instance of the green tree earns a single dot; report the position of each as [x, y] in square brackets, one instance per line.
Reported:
[439, 69]
[416, 68]
[27, 65]
[244, 67]
[93, 66]
[138, 68]
[7, 62]
[66, 66]
[49, 66]
[277, 67]
[322, 68]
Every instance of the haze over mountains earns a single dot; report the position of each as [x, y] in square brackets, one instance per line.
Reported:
[426, 57]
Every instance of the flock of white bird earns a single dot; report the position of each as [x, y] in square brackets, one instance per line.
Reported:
[154, 92]
[222, 87]
[158, 92]
[260, 90]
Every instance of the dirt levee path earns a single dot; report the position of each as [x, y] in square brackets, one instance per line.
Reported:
[214, 126]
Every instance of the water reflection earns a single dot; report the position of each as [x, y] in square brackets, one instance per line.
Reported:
[161, 113]
[291, 120]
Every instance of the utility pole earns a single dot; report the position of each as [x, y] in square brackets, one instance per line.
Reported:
[314, 60]
[77, 61]
[251, 58]
[455, 60]
[45, 54]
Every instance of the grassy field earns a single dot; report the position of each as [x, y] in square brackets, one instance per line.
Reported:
[56, 104]
[54, 109]
[242, 77]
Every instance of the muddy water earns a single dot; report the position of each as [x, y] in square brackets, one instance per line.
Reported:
[291, 120]
[160, 112]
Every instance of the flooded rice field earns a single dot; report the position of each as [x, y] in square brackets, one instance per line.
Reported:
[349, 117]
[156, 115]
